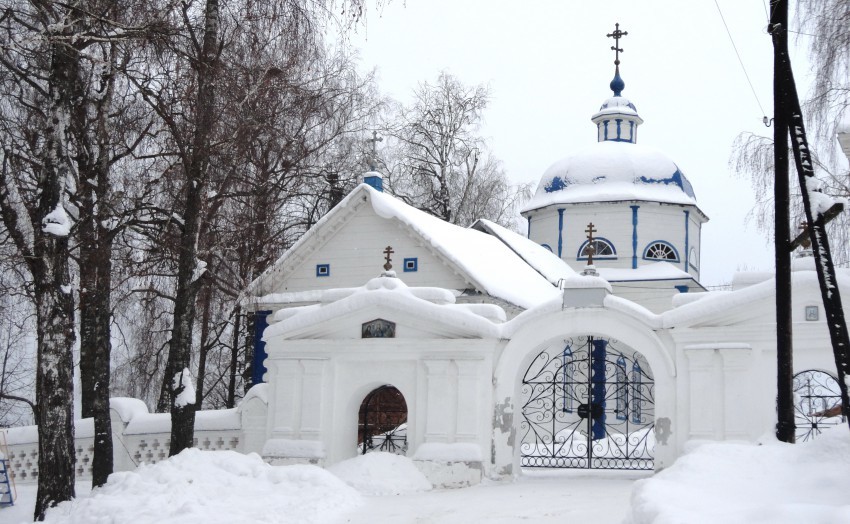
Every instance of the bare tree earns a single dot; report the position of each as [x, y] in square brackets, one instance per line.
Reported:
[438, 162]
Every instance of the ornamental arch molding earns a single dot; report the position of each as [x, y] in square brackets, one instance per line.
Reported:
[545, 329]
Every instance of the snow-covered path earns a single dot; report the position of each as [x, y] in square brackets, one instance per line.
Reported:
[601, 498]
[544, 497]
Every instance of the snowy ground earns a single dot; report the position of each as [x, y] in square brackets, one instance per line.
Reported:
[733, 483]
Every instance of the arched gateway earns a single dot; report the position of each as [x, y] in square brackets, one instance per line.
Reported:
[587, 402]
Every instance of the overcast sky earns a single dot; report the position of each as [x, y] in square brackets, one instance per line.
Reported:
[548, 65]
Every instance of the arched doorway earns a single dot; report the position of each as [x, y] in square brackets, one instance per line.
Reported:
[817, 403]
[382, 422]
[588, 403]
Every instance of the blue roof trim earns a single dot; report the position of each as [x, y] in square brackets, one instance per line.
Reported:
[677, 179]
[556, 184]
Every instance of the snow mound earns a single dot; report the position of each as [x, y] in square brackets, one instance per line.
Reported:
[738, 483]
[381, 474]
[212, 487]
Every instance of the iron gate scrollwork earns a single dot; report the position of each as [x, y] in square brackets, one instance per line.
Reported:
[817, 403]
[382, 424]
[588, 404]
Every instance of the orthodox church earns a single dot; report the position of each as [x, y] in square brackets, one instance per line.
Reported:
[479, 352]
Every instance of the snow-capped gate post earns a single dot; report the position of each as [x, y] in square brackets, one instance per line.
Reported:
[812, 196]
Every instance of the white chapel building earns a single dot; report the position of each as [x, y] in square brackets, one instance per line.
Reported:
[479, 352]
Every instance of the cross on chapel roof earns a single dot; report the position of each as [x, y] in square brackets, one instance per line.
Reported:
[617, 84]
[373, 159]
[387, 256]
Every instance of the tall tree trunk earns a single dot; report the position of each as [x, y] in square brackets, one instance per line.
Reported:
[206, 300]
[180, 345]
[234, 358]
[53, 298]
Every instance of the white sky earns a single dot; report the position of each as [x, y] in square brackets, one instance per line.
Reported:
[548, 64]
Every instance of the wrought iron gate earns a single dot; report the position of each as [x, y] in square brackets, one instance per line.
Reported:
[588, 404]
[817, 403]
[382, 424]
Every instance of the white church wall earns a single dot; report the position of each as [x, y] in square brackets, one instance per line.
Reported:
[544, 228]
[445, 384]
[354, 254]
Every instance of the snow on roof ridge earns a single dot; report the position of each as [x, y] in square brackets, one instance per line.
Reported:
[469, 254]
[549, 265]
[481, 258]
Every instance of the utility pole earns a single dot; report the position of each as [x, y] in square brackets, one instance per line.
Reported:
[785, 425]
[793, 116]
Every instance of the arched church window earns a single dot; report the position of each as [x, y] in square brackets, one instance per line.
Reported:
[693, 260]
[603, 249]
[660, 250]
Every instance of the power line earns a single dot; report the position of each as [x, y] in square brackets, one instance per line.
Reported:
[732, 40]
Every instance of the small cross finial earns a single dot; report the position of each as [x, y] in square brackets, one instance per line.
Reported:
[591, 248]
[373, 159]
[617, 35]
[387, 256]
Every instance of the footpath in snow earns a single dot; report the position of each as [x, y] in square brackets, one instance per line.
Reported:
[732, 483]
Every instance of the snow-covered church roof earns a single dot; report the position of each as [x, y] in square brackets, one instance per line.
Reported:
[613, 171]
[496, 265]
[616, 168]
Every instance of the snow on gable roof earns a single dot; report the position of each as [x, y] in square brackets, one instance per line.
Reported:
[483, 260]
[466, 320]
[491, 265]
[541, 259]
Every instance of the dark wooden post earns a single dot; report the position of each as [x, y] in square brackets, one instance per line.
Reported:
[785, 425]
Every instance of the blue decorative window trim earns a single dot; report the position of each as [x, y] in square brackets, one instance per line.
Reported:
[604, 250]
[323, 270]
[661, 250]
[547, 246]
[411, 265]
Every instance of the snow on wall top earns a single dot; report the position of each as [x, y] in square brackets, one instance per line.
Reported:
[386, 291]
[654, 271]
[544, 261]
[613, 171]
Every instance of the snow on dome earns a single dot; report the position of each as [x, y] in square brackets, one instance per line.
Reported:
[613, 171]
[617, 104]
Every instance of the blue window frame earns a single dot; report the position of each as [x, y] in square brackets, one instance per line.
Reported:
[661, 250]
[547, 246]
[323, 270]
[411, 265]
[604, 250]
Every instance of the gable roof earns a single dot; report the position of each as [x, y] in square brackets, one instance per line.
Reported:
[485, 261]
[549, 265]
